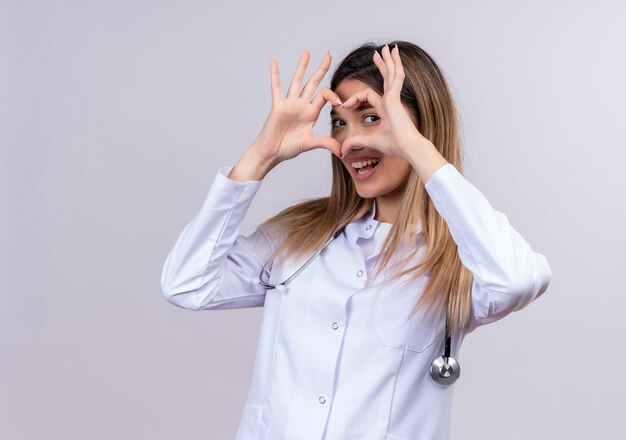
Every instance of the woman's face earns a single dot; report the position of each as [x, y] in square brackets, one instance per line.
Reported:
[388, 177]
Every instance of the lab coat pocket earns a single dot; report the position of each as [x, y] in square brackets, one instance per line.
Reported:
[392, 312]
[250, 422]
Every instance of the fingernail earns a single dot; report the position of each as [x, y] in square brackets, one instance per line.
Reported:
[338, 101]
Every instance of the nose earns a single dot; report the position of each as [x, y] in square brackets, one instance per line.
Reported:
[352, 130]
[355, 130]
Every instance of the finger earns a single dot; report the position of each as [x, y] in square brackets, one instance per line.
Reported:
[296, 81]
[277, 93]
[378, 60]
[396, 85]
[366, 95]
[388, 63]
[314, 81]
[324, 95]
[359, 140]
[327, 142]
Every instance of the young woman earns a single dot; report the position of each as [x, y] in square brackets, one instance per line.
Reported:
[351, 346]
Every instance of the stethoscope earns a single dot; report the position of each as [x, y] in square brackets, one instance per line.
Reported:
[444, 370]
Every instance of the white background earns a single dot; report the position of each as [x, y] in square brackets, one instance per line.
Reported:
[116, 115]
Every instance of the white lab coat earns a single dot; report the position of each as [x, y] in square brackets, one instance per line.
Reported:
[334, 360]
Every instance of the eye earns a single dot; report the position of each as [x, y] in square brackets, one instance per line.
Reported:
[372, 116]
[333, 121]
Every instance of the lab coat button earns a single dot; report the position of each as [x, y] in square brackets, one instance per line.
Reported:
[335, 326]
[322, 399]
[359, 273]
[368, 227]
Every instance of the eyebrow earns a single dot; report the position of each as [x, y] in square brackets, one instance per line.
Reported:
[360, 108]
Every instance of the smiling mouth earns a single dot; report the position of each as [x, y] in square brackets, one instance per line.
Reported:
[362, 167]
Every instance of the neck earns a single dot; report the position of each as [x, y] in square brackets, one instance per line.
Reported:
[387, 207]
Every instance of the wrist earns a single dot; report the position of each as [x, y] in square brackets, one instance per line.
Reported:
[425, 159]
[252, 166]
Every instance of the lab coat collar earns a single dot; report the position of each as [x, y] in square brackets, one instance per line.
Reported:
[366, 225]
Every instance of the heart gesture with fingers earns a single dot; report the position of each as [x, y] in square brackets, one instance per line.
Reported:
[288, 129]
[397, 132]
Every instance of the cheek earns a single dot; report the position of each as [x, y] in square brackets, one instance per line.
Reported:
[398, 171]
[398, 166]
[337, 137]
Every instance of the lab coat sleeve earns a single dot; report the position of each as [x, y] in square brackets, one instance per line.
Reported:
[508, 274]
[211, 265]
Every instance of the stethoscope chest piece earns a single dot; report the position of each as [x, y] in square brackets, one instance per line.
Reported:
[445, 370]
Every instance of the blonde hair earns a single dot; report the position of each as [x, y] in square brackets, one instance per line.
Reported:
[307, 226]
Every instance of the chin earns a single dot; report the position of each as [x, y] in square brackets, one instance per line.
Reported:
[367, 193]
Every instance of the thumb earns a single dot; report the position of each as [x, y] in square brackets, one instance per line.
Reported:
[327, 142]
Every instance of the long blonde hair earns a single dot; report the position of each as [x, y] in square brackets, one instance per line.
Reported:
[307, 226]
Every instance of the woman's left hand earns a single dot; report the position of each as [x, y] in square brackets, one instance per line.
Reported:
[398, 132]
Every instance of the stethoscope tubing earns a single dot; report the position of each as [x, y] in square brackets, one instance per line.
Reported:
[445, 370]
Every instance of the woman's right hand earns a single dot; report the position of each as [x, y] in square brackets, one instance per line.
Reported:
[288, 129]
